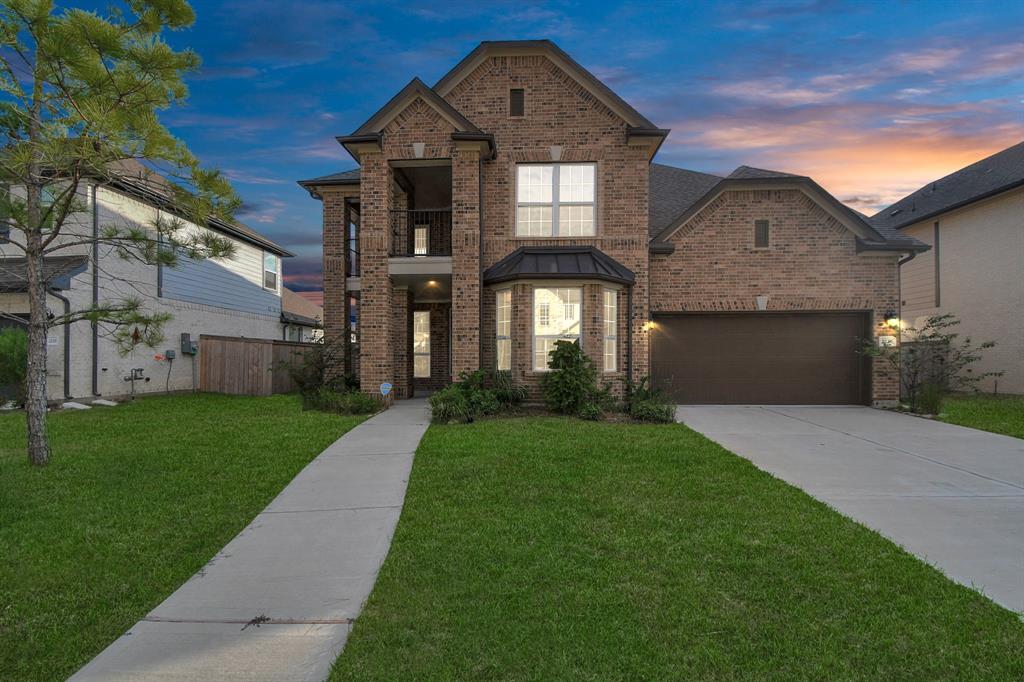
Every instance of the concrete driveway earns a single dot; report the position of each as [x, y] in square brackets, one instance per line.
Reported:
[951, 495]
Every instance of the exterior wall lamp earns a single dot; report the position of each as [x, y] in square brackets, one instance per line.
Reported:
[892, 319]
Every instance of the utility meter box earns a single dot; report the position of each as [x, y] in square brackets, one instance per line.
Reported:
[188, 346]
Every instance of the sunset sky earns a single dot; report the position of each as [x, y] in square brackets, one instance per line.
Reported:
[872, 99]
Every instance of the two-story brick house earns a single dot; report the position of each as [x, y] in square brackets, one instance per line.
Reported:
[515, 203]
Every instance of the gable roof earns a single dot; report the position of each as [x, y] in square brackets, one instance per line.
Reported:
[57, 272]
[489, 48]
[558, 262]
[675, 190]
[992, 175]
[415, 88]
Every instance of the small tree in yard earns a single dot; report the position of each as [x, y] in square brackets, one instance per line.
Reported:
[933, 360]
[79, 96]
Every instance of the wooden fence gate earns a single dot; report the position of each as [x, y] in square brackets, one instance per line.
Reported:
[241, 366]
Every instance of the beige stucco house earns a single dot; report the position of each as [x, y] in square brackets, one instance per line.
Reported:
[974, 222]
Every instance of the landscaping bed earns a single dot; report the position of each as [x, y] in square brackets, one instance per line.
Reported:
[555, 548]
[137, 498]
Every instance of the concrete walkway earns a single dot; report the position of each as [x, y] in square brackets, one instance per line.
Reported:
[951, 495]
[304, 567]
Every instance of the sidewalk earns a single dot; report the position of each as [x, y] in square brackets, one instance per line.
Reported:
[277, 603]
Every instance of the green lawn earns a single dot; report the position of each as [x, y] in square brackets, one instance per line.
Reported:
[997, 413]
[137, 498]
[545, 549]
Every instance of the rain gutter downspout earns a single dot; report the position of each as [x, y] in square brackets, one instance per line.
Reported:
[95, 292]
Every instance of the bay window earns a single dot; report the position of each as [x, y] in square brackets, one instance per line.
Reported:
[556, 317]
[555, 200]
[503, 329]
[610, 329]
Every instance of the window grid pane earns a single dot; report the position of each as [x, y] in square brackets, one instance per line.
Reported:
[557, 314]
[555, 200]
[421, 344]
[611, 329]
[503, 329]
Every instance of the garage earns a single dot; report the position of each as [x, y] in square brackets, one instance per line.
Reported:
[764, 358]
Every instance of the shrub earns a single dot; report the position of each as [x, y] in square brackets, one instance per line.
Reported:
[14, 361]
[341, 402]
[572, 379]
[468, 398]
[591, 411]
[933, 358]
[930, 399]
[506, 390]
[647, 404]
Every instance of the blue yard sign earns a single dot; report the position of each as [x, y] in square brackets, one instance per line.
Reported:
[385, 388]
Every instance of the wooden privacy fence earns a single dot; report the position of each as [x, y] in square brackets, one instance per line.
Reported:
[240, 366]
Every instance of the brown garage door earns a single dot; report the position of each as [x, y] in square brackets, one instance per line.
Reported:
[761, 358]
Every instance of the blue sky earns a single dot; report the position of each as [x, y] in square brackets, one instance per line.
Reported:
[872, 99]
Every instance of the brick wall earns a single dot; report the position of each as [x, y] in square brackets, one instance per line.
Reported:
[376, 356]
[335, 302]
[559, 112]
[811, 264]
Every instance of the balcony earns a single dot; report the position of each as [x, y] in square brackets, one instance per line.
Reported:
[421, 233]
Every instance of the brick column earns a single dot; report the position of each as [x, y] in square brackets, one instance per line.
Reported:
[465, 261]
[335, 298]
[401, 341]
[376, 354]
[592, 327]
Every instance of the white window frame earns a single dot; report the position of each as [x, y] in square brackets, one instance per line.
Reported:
[555, 204]
[276, 271]
[502, 317]
[610, 329]
[415, 353]
[533, 326]
[417, 248]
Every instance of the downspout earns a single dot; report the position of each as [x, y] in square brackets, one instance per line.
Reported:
[629, 333]
[479, 264]
[67, 341]
[95, 292]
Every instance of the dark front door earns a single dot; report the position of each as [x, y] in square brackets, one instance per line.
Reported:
[7, 391]
[761, 358]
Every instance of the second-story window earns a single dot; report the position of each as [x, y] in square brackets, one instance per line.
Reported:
[270, 271]
[555, 200]
[421, 239]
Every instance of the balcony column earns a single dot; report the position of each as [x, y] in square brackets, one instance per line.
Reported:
[466, 271]
[335, 297]
[376, 337]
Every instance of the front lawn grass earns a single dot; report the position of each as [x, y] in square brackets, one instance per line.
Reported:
[546, 549]
[136, 499]
[997, 413]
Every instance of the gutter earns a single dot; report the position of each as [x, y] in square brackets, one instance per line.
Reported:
[95, 292]
[67, 341]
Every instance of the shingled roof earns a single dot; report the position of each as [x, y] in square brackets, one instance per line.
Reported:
[57, 272]
[672, 191]
[997, 173]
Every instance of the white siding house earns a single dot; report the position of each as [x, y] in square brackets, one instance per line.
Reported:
[237, 296]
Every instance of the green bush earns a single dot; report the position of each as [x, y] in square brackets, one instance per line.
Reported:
[647, 404]
[930, 398]
[572, 379]
[14, 361]
[341, 402]
[591, 411]
[506, 390]
[468, 398]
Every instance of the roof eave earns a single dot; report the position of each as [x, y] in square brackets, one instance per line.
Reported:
[960, 204]
[891, 245]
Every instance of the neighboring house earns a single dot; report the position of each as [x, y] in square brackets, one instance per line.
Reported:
[240, 296]
[974, 221]
[302, 319]
[514, 203]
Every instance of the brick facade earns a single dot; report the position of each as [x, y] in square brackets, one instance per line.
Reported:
[811, 264]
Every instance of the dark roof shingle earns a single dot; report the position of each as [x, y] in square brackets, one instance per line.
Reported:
[747, 172]
[997, 173]
[672, 191]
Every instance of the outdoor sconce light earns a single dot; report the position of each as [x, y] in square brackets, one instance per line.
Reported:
[892, 319]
